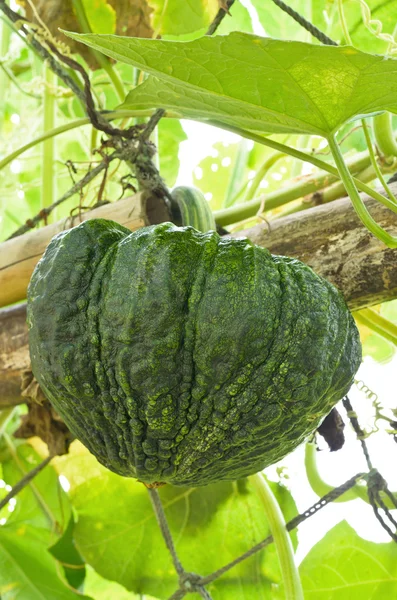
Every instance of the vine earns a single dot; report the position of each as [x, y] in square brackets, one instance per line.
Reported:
[132, 146]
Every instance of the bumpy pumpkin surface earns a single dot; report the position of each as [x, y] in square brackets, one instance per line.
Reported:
[183, 357]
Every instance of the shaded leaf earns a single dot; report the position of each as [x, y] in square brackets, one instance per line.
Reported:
[178, 17]
[65, 552]
[278, 23]
[102, 589]
[240, 20]
[325, 16]
[343, 566]
[27, 570]
[42, 504]
[101, 16]
[257, 83]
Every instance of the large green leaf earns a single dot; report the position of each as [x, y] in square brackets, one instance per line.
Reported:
[257, 83]
[117, 533]
[343, 566]
[27, 570]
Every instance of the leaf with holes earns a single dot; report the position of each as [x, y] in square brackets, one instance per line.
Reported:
[256, 83]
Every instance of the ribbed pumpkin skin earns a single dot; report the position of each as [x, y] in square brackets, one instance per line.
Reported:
[182, 357]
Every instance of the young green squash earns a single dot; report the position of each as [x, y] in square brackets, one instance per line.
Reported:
[183, 357]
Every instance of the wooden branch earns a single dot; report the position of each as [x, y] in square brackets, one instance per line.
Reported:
[330, 238]
[14, 354]
[19, 256]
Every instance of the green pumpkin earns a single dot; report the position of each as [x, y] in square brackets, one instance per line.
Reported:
[183, 357]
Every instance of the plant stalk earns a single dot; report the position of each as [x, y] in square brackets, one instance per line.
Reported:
[383, 327]
[303, 156]
[102, 60]
[321, 487]
[358, 204]
[290, 575]
[286, 194]
[268, 164]
[237, 174]
[384, 135]
[29, 480]
[5, 33]
[120, 114]
[374, 162]
[48, 179]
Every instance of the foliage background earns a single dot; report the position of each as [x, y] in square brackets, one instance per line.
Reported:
[81, 530]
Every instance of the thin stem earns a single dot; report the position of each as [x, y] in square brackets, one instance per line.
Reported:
[375, 162]
[22, 483]
[268, 164]
[384, 135]
[9, 74]
[5, 33]
[300, 188]
[67, 127]
[343, 23]
[237, 174]
[79, 185]
[221, 14]
[357, 430]
[21, 24]
[358, 204]
[383, 327]
[330, 497]
[5, 417]
[329, 194]
[47, 171]
[102, 60]
[289, 572]
[266, 141]
[165, 530]
[321, 487]
[247, 211]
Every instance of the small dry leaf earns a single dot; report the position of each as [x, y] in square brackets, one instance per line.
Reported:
[132, 19]
[332, 430]
[42, 420]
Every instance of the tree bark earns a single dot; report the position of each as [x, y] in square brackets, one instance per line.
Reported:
[19, 255]
[14, 354]
[330, 238]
